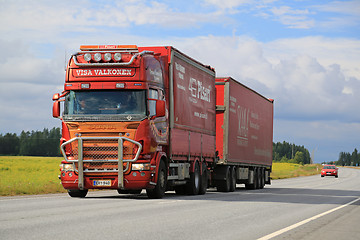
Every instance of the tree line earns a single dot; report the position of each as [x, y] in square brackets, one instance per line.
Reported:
[34, 143]
[287, 152]
[349, 159]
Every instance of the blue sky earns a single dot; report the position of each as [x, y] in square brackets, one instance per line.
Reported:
[304, 54]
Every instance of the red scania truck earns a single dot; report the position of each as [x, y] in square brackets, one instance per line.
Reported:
[153, 118]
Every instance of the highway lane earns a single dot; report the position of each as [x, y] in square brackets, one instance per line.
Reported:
[243, 214]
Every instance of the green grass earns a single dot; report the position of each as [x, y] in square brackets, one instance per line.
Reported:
[39, 175]
[29, 175]
[289, 170]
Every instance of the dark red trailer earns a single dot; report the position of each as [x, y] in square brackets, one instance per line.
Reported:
[244, 131]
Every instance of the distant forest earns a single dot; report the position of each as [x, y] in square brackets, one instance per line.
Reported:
[34, 143]
[349, 159]
[287, 152]
[46, 143]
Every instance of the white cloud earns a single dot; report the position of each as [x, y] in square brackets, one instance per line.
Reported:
[304, 85]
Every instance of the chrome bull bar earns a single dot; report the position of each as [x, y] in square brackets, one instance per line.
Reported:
[75, 154]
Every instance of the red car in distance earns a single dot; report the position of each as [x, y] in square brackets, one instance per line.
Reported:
[329, 170]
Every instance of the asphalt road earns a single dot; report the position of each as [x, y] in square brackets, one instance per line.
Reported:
[299, 208]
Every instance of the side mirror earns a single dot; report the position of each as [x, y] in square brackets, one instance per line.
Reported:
[56, 109]
[160, 108]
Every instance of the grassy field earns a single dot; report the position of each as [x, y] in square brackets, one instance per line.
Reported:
[39, 175]
[289, 170]
[29, 175]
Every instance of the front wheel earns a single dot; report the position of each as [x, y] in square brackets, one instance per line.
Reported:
[159, 190]
[77, 193]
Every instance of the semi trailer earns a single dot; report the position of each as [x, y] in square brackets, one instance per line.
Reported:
[153, 118]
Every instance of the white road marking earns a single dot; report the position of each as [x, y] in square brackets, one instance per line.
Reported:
[281, 231]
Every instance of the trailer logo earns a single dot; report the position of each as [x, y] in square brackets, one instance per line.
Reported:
[197, 90]
[243, 127]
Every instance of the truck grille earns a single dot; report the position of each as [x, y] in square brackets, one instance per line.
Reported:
[101, 154]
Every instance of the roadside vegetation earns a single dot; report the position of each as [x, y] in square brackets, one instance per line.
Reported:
[29, 175]
[289, 170]
[24, 175]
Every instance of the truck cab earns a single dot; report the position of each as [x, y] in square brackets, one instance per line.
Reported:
[114, 120]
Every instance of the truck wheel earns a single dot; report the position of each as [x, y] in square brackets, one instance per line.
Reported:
[262, 178]
[159, 190]
[232, 179]
[193, 185]
[257, 178]
[252, 186]
[224, 185]
[203, 180]
[78, 193]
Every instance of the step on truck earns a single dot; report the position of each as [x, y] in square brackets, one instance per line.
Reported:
[153, 118]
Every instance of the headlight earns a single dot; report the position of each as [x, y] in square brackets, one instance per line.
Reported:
[67, 167]
[140, 166]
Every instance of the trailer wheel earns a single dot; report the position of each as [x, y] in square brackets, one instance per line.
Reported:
[252, 186]
[262, 178]
[193, 185]
[257, 178]
[232, 179]
[77, 193]
[224, 185]
[203, 180]
[159, 190]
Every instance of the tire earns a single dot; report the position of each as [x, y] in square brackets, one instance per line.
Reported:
[203, 179]
[262, 178]
[336, 176]
[224, 185]
[232, 179]
[159, 190]
[253, 185]
[193, 186]
[322, 175]
[77, 193]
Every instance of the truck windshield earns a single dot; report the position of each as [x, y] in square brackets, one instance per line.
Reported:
[105, 105]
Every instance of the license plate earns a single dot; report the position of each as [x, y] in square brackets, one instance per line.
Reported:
[101, 183]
